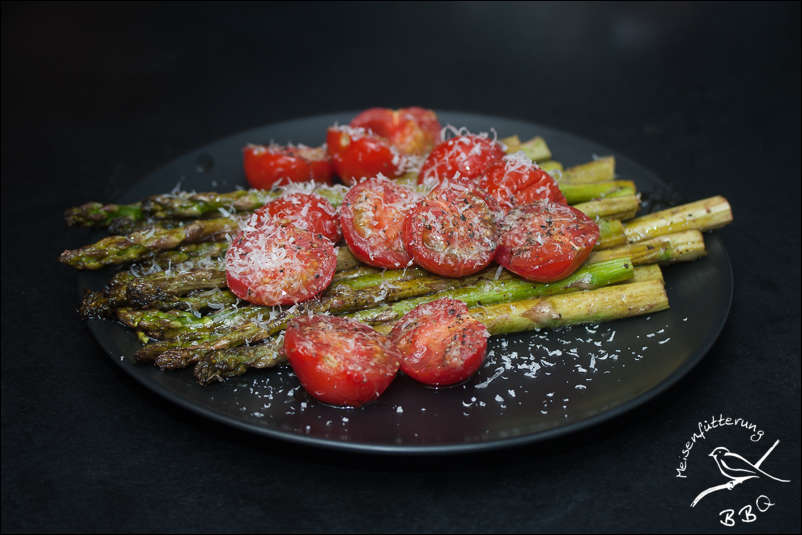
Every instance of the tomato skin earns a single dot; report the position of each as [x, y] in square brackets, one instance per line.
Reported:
[440, 343]
[308, 211]
[278, 265]
[321, 168]
[267, 166]
[411, 130]
[469, 155]
[515, 180]
[372, 218]
[340, 361]
[451, 232]
[355, 154]
[545, 241]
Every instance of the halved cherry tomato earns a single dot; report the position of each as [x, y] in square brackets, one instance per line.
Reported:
[372, 216]
[269, 165]
[339, 360]
[308, 211]
[451, 232]
[411, 130]
[356, 153]
[545, 241]
[515, 180]
[278, 265]
[440, 343]
[469, 155]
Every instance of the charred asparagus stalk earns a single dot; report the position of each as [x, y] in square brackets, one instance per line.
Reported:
[217, 365]
[95, 214]
[122, 218]
[193, 205]
[622, 207]
[535, 149]
[578, 193]
[141, 245]
[185, 253]
[120, 249]
[677, 247]
[164, 290]
[163, 324]
[177, 353]
[599, 170]
[604, 304]
[707, 214]
[511, 289]
[182, 205]
[611, 233]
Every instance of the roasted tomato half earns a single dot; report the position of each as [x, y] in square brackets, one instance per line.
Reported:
[273, 165]
[357, 153]
[339, 360]
[279, 265]
[372, 217]
[413, 131]
[440, 343]
[451, 232]
[308, 211]
[466, 156]
[515, 180]
[545, 241]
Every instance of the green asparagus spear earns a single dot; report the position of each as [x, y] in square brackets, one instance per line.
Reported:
[611, 233]
[185, 253]
[121, 249]
[95, 214]
[599, 170]
[217, 365]
[616, 207]
[171, 206]
[604, 304]
[551, 167]
[707, 214]
[175, 353]
[677, 247]
[161, 324]
[511, 289]
[535, 149]
[577, 193]
[192, 205]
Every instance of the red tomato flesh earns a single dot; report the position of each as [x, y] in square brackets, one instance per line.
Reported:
[372, 217]
[545, 241]
[440, 343]
[308, 211]
[411, 130]
[467, 155]
[273, 165]
[340, 361]
[515, 180]
[279, 265]
[356, 153]
[451, 232]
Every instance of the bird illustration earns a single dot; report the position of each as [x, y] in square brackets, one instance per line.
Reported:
[735, 467]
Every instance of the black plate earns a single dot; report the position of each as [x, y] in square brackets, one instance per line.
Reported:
[533, 386]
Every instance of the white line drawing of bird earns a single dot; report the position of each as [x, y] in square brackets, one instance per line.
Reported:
[737, 469]
[733, 466]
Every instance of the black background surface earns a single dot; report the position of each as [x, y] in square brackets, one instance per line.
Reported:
[96, 96]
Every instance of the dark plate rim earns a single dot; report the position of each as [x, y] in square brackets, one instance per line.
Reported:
[447, 449]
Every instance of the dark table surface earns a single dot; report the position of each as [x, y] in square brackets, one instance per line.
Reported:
[95, 97]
